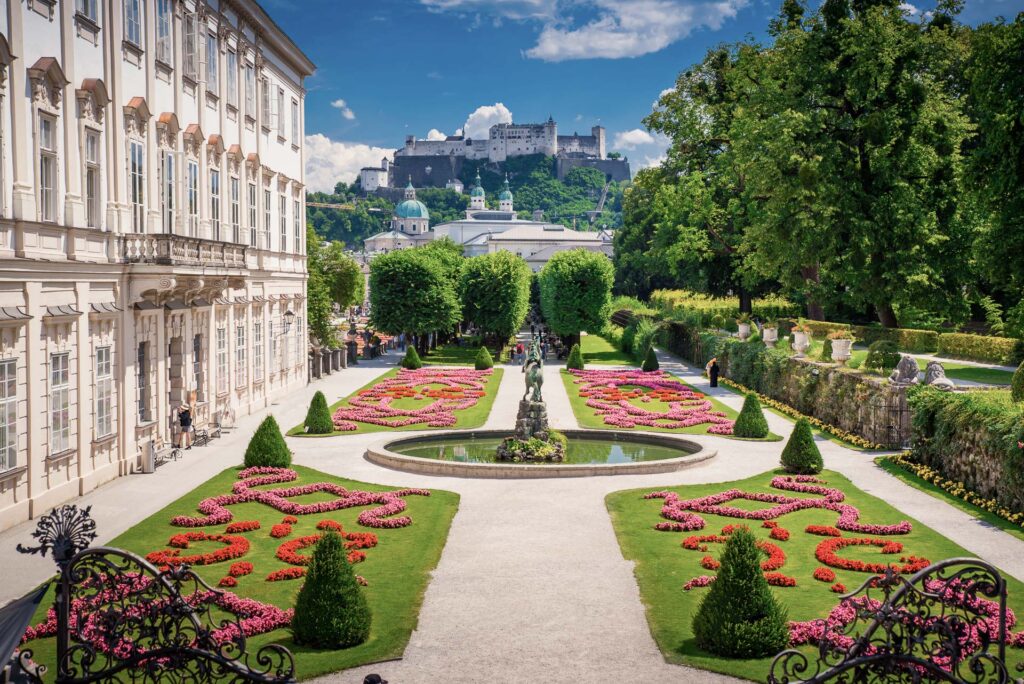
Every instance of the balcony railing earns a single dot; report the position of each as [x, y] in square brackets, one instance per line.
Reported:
[177, 250]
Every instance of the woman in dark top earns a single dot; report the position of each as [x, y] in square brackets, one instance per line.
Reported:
[185, 422]
[713, 372]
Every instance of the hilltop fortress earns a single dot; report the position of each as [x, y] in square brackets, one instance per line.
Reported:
[438, 163]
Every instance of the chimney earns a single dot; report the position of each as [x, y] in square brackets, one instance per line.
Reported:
[538, 215]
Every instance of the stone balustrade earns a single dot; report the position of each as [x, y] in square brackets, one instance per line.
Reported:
[177, 250]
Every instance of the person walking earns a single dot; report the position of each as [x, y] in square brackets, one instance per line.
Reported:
[713, 371]
[185, 423]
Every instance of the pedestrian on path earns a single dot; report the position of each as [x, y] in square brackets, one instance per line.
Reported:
[713, 371]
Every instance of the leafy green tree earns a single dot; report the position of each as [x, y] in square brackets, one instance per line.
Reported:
[801, 454]
[740, 617]
[411, 292]
[495, 293]
[575, 360]
[483, 359]
[343, 275]
[751, 423]
[318, 417]
[331, 611]
[639, 267]
[318, 304]
[575, 291]
[267, 447]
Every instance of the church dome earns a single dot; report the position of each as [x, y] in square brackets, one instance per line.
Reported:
[412, 208]
[506, 194]
[477, 191]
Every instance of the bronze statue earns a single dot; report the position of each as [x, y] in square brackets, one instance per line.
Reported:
[534, 369]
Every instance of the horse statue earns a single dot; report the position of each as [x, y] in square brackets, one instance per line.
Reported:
[534, 370]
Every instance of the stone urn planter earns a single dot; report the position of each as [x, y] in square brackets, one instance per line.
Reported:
[801, 341]
[744, 330]
[842, 351]
[770, 336]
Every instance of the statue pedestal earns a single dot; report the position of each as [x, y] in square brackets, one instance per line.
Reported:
[532, 420]
[533, 439]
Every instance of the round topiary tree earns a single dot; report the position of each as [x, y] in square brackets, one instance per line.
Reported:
[801, 455]
[267, 447]
[650, 361]
[575, 360]
[1017, 384]
[483, 359]
[411, 360]
[330, 611]
[318, 417]
[882, 355]
[740, 617]
[826, 350]
[751, 422]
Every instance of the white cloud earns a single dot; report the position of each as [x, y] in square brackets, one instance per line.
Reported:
[630, 140]
[434, 134]
[329, 161]
[480, 121]
[648, 161]
[613, 29]
[343, 107]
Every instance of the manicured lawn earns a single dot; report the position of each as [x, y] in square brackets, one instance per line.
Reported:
[940, 493]
[396, 570]
[469, 418]
[597, 349]
[454, 355]
[663, 566]
[986, 376]
[587, 417]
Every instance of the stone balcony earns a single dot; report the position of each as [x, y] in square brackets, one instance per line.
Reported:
[178, 250]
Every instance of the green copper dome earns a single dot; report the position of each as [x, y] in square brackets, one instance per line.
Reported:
[506, 194]
[477, 191]
[412, 208]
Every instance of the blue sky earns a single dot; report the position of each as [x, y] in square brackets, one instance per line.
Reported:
[391, 68]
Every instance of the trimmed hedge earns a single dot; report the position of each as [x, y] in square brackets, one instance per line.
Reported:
[801, 455]
[483, 359]
[318, 417]
[907, 339]
[575, 360]
[1017, 384]
[411, 360]
[882, 355]
[826, 351]
[819, 329]
[650, 362]
[1006, 351]
[267, 446]
[768, 308]
[751, 422]
[331, 610]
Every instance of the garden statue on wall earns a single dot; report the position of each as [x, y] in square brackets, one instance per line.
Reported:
[935, 376]
[906, 371]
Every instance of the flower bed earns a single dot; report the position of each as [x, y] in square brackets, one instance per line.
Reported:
[451, 389]
[611, 394]
[236, 547]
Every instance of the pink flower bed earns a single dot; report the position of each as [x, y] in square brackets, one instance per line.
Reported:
[215, 512]
[609, 393]
[684, 513]
[452, 389]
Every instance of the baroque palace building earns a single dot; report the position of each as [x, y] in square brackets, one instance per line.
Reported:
[152, 230]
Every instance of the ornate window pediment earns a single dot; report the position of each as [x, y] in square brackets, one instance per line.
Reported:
[235, 158]
[167, 129]
[92, 99]
[252, 164]
[5, 60]
[193, 138]
[136, 115]
[48, 81]
[214, 149]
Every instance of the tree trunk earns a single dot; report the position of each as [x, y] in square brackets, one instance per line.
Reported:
[886, 315]
[815, 311]
[746, 302]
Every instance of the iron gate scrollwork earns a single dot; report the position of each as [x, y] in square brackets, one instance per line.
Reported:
[119, 618]
[946, 623]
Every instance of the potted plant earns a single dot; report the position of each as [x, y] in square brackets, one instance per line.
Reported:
[770, 333]
[842, 342]
[801, 338]
[743, 322]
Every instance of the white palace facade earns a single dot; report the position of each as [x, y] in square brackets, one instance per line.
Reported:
[152, 231]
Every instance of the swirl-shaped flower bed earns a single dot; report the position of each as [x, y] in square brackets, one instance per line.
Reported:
[613, 395]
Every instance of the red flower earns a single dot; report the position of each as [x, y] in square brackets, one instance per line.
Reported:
[826, 553]
[286, 574]
[289, 520]
[779, 533]
[824, 575]
[770, 524]
[823, 531]
[240, 568]
[838, 588]
[228, 581]
[777, 579]
[243, 526]
[236, 547]
[280, 530]
[709, 563]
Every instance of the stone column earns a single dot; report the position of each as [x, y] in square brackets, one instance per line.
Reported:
[23, 200]
[74, 206]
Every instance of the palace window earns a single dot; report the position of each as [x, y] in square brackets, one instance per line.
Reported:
[215, 203]
[189, 45]
[297, 220]
[197, 365]
[252, 214]
[47, 167]
[167, 184]
[257, 351]
[60, 406]
[193, 197]
[265, 102]
[240, 344]
[164, 41]
[280, 112]
[133, 22]
[8, 414]
[104, 393]
[236, 211]
[87, 8]
[295, 122]
[266, 215]
[137, 184]
[273, 346]
[232, 78]
[250, 91]
[299, 347]
[222, 360]
[142, 381]
[211, 62]
[92, 179]
[283, 206]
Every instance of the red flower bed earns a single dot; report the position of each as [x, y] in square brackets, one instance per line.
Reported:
[227, 581]
[779, 533]
[825, 575]
[776, 557]
[235, 548]
[286, 574]
[826, 553]
[243, 526]
[823, 531]
[777, 579]
[289, 520]
[240, 569]
[354, 541]
[770, 524]
[709, 563]
[280, 530]
[838, 588]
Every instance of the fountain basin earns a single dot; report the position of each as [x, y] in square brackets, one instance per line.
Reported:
[590, 453]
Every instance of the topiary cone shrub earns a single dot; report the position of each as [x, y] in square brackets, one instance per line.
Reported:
[483, 359]
[318, 417]
[411, 360]
[267, 446]
[751, 422]
[740, 617]
[575, 360]
[330, 611]
[650, 361]
[1017, 384]
[801, 455]
[826, 350]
